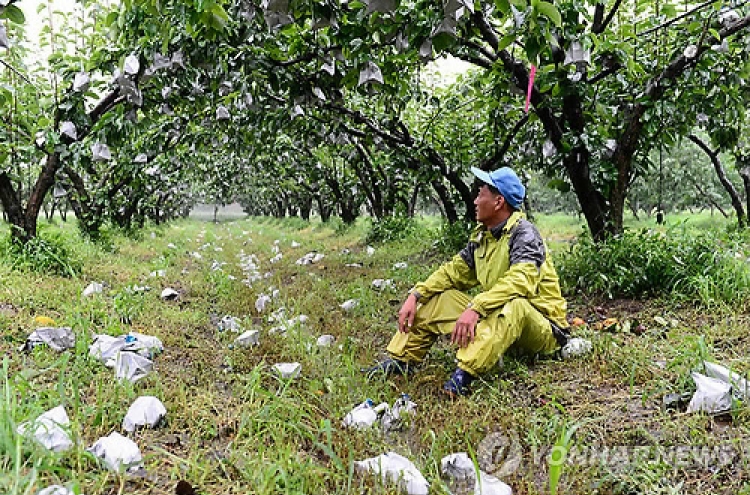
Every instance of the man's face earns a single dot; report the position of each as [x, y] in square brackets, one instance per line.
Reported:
[487, 204]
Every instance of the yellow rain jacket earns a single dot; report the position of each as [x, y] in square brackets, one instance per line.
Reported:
[520, 295]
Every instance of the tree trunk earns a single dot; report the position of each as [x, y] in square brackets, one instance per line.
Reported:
[527, 208]
[323, 209]
[728, 187]
[412, 206]
[89, 222]
[63, 209]
[124, 219]
[56, 205]
[593, 204]
[449, 208]
[634, 209]
[455, 180]
[23, 221]
[745, 174]
[304, 211]
[278, 210]
[369, 185]
[349, 211]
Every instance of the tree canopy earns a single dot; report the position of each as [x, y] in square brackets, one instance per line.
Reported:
[322, 105]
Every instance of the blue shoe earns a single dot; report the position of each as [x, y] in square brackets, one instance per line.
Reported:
[389, 367]
[458, 383]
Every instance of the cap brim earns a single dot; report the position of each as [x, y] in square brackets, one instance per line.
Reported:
[482, 175]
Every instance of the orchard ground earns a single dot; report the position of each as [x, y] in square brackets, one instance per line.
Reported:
[233, 427]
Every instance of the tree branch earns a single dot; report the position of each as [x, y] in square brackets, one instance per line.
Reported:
[657, 86]
[6, 64]
[677, 18]
[498, 156]
[483, 51]
[521, 80]
[77, 182]
[599, 28]
[709, 198]
[598, 17]
[606, 72]
[354, 132]
[728, 186]
[372, 193]
[474, 60]
[106, 104]
[304, 58]
[8, 199]
[359, 118]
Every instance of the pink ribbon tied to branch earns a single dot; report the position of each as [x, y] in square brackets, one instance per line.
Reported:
[531, 86]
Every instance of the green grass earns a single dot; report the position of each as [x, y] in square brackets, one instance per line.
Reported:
[234, 428]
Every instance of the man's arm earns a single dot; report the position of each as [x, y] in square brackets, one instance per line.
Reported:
[459, 273]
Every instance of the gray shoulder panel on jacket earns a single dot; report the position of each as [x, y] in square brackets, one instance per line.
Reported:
[467, 253]
[526, 245]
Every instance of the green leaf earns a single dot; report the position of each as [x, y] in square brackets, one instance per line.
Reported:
[220, 15]
[533, 46]
[505, 42]
[165, 29]
[13, 14]
[442, 41]
[559, 454]
[111, 18]
[631, 65]
[695, 27]
[550, 11]
[559, 185]
[503, 6]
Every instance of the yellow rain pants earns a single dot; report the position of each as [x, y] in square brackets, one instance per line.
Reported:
[517, 322]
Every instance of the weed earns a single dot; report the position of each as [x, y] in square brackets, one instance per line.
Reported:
[390, 229]
[46, 253]
[647, 263]
[128, 305]
[450, 238]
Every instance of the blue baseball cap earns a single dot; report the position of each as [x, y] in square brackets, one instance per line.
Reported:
[506, 181]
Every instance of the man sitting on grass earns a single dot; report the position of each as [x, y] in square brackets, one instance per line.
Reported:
[519, 305]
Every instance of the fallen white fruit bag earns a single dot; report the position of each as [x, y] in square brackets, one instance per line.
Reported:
[397, 469]
[711, 396]
[145, 411]
[118, 452]
[49, 429]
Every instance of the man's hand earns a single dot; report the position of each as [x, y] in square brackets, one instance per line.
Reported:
[406, 314]
[463, 333]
